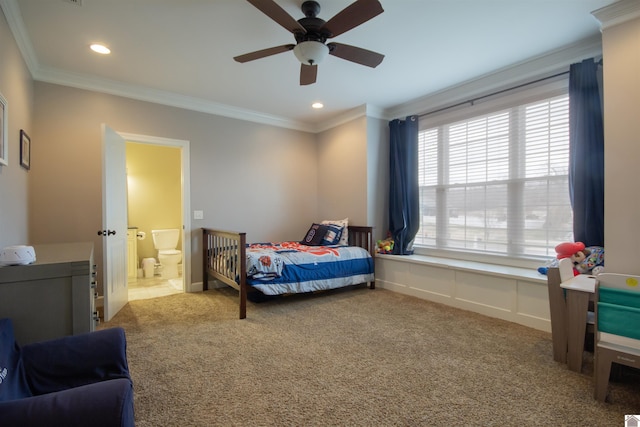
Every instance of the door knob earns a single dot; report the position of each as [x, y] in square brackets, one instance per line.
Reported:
[106, 232]
[110, 232]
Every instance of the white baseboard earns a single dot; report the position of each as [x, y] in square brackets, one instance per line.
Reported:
[195, 287]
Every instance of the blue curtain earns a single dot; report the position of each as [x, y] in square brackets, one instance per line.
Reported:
[404, 208]
[586, 156]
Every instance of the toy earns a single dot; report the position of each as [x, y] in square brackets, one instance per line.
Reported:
[586, 260]
[573, 250]
[593, 262]
[569, 249]
[552, 263]
[385, 246]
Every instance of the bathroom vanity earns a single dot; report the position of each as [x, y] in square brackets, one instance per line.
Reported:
[54, 296]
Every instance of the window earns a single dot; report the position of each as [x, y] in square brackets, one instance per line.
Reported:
[497, 182]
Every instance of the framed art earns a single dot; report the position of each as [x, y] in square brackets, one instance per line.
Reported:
[25, 150]
[4, 124]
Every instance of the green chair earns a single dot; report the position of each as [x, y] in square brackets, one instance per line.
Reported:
[617, 338]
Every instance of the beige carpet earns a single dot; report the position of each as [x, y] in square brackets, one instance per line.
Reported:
[358, 358]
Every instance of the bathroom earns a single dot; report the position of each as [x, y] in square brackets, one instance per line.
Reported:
[154, 202]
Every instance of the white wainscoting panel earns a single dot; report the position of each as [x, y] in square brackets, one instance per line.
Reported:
[522, 300]
[533, 304]
[494, 293]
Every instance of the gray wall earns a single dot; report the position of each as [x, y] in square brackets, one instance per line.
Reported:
[244, 176]
[267, 181]
[621, 55]
[17, 88]
[378, 175]
[342, 172]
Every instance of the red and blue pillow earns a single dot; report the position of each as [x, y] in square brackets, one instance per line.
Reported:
[322, 235]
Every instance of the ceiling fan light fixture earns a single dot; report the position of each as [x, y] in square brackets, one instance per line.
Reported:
[311, 52]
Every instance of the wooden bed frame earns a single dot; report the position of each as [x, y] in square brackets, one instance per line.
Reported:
[231, 268]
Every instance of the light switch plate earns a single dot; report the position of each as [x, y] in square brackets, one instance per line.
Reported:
[198, 214]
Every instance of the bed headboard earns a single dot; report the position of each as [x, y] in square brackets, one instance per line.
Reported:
[362, 236]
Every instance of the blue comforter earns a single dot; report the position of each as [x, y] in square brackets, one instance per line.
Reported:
[291, 267]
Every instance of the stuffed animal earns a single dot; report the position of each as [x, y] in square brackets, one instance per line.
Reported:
[586, 260]
[552, 263]
[569, 249]
[572, 250]
[385, 246]
[593, 261]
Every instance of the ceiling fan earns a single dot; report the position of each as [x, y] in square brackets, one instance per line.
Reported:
[311, 34]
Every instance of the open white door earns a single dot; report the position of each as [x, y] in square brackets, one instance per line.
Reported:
[114, 222]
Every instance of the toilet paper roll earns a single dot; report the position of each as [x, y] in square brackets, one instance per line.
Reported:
[141, 235]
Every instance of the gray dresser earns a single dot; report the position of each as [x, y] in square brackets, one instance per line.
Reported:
[53, 297]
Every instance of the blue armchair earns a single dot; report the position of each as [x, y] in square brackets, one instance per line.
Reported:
[78, 380]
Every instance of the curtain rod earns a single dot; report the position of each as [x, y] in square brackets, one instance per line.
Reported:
[473, 100]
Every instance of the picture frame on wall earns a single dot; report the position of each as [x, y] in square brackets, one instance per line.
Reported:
[4, 125]
[25, 150]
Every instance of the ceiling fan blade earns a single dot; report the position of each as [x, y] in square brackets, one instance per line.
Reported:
[353, 15]
[278, 14]
[308, 74]
[355, 54]
[263, 53]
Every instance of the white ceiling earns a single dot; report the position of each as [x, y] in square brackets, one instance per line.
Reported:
[180, 52]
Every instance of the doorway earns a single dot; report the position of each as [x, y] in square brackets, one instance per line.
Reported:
[158, 190]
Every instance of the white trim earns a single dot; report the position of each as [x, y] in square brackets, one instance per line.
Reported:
[365, 110]
[4, 122]
[186, 196]
[14, 19]
[196, 287]
[81, 81]
[343, 118]
[617, 13]
[532, 262]
[512, 105]
[523, 72]
[514, 294]
[549, 88]
[545, 64]
[513, 272]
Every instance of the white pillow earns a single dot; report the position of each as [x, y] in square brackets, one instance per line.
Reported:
[344, 239]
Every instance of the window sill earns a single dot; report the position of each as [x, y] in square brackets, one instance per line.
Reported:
[518, 273]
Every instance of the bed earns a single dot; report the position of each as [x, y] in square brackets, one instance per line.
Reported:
[288, 267]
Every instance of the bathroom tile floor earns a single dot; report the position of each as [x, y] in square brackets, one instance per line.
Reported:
[153, 287]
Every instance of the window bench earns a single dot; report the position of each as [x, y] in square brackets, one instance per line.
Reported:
[516, 294]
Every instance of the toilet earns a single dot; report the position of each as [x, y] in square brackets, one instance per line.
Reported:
[165, 241]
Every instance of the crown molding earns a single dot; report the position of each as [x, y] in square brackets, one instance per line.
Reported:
[81, 81]
[11, 11]
[342, 118]
[513, 75]
[16, 25]
[86, 82]
[364, 110]
[617, 13]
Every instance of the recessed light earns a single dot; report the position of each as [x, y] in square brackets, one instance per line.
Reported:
[317, 105]
[99, 48]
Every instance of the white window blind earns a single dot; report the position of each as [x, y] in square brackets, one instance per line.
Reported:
[497, 183]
